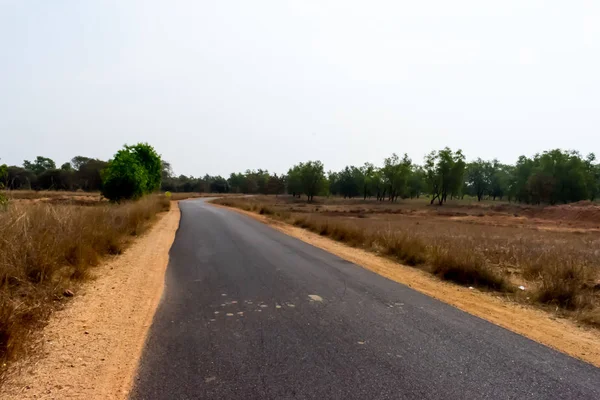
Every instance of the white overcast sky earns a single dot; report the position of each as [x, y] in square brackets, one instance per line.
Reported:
[222, 86]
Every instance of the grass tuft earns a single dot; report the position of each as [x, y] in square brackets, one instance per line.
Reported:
[465, 267]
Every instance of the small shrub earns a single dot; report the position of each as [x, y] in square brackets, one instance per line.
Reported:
[466, 268]
[265, 210]
[564, 283]
[409, 250]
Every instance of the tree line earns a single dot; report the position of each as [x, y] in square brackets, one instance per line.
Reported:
[551, 177]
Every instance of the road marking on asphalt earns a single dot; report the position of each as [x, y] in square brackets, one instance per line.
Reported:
[360, 342]
[290, 305]
[234, 302]
[277, 306]
[210, 379]
[229, 314]
[216, 312]
[240, 313]
[263, 306]
[223, 294]
[315, 297]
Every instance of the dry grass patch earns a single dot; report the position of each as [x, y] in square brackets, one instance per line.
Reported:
[465, 267]
[45, 247]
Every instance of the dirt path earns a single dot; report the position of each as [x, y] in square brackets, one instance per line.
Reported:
[91, 349]
[560, 334]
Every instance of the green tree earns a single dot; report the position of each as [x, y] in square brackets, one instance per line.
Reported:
[133, 172]
[312, 178]
[479, 177]
[39, 165]
[444, 173]
[396, 173]
[124, 178]
[294, 180]
[499, 179]
[416, 182]
[151, 162]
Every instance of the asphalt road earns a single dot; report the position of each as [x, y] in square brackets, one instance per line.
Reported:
[249, 313]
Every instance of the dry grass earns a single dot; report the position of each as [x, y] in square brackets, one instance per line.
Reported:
[46, 248]
[45, 194]
[496, 246]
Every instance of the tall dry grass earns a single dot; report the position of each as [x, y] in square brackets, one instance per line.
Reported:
[44, 248]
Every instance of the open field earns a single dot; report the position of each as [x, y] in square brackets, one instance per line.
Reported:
[550, 251]
[47, 247]
[87, 198]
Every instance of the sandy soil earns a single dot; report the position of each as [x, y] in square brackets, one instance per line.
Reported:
[560, 334]
[91, 349]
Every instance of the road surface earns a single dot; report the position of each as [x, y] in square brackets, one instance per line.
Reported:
[250, 313]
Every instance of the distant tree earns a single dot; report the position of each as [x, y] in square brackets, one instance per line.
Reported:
[592, 176]
[39, 165]
[56, 179]
[276, 184]
[219, 184]
[416, 182]
[166, 170]
[396, 173]
[294, 180]
[479, 177]
[312, 178]
[66, 167]
[368, 172]
[20, 178]
[444, 173]
[499, 179]
[88, 174]
[333, 181]
[78, 161]
[349, 182]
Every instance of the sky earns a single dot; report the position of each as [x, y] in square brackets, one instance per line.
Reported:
[223, 86]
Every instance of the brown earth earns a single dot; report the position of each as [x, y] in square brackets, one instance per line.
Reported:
[91, 349]
[561, 334]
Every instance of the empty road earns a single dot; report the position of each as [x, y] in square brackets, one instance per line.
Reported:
[249, 313]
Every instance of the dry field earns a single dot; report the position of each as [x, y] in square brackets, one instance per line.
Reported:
[49, 241]
[552, 252]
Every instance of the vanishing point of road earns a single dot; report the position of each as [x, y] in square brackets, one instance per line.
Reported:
[250, 313]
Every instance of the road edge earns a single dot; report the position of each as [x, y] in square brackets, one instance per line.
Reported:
[560, 334]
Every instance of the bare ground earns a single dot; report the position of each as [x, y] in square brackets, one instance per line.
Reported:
[561, 334]
[91, 349]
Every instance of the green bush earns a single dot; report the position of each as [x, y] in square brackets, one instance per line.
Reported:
[151, 162]
[124, 178]
[133, 172]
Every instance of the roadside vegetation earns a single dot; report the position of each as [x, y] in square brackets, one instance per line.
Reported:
[478, 223]
[541, 255]
[51, 240]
